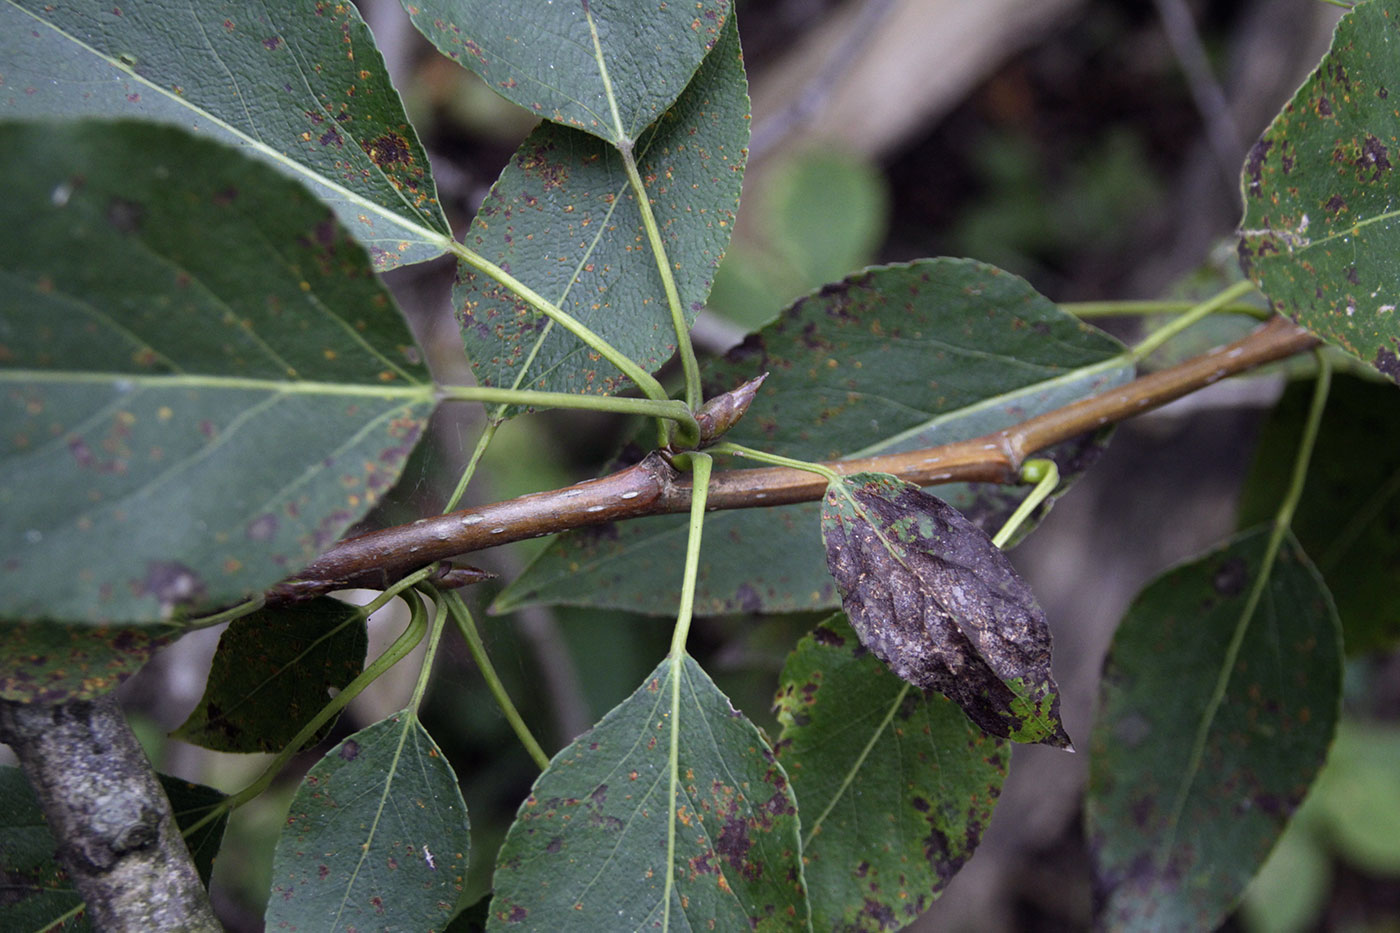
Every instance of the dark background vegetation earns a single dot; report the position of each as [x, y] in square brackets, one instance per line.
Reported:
[1091, 146]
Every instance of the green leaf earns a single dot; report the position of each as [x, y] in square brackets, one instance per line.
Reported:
[895, 787]
[892, 359]
[588, 849]
[376, 837]
[274, 670]
[607, 67]
[37, 891]
[933, 597]
[1357, 797]
[563, 220]
[1319, 235]
[1219, 698]
[45, 663]
[184, 425]
[300, 86]
[1351, 511]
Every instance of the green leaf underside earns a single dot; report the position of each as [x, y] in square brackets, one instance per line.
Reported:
[273, 671]
[934, 599]
[1176, 840]
[1320, 234]
[895, 358]
[201, 421]
[45, 663]
[303, 89]
[895, 787]
[376, 837]
[588, 849]
[562, 219]
[548, 61]
[1349, 517]
[37, 890]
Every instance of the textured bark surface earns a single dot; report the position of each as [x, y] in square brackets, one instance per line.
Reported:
[117, 837]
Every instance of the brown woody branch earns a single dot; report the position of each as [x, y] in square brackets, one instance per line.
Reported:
[654, 487]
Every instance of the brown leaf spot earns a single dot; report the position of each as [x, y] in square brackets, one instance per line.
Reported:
[1387, 362]
[350, 750]
[126, 216]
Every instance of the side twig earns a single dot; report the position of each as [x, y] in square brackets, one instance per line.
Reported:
[653, 487]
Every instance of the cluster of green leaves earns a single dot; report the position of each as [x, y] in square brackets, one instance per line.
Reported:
[206, 384]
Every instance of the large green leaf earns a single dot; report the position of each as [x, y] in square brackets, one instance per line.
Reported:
[895, 788]
[1319, 234]
[203, 383]
[589, 850]
[892, 359]
[36, 891]
[1219, 699]
[1350, 514]
[607, 67]
[301, 86]
[563, 220]
[376, 838]
[274, 670]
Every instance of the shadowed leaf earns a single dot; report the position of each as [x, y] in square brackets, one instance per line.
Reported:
[37, 891]
[1319, 234]
[895, 787]
[1218, 701]
[563, 220]
[1350, 516]
[892, 359]
[934, 599]
[377, 835]
[273, 671]
[607, 67]
[201, 422]
[300, 86]
[588, 850]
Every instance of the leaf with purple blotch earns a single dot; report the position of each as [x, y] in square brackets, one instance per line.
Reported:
[933, 598]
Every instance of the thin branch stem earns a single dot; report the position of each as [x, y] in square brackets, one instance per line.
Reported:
[1093, 309]
[739, 450]
[652, 487]
[488, 433]
[689, 365]
[643, 380]
[700, 472]
[1046, 476]
[671, 409]
[467, 626]
[1206, 308]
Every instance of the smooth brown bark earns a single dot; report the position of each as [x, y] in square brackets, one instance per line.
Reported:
[653, 487]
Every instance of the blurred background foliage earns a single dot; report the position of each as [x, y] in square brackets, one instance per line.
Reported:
[1092, 146]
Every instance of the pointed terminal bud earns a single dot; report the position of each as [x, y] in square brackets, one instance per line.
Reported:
[722, 412]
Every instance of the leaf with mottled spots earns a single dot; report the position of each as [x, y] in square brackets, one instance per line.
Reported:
[895, 787]
[607, 67]
[891, 359]
[1321, 229]
[1350, 516]
[563, 220]
[1219, 698]
[937, 601]
[46, 663]
[273, 672]
[376, 837]
[37, 891]
[203, 382]
[300, 86]
[588, 850]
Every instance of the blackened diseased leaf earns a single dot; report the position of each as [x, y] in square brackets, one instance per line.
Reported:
[934, 599]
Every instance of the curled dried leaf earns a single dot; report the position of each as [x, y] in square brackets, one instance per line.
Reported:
[934, 599]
